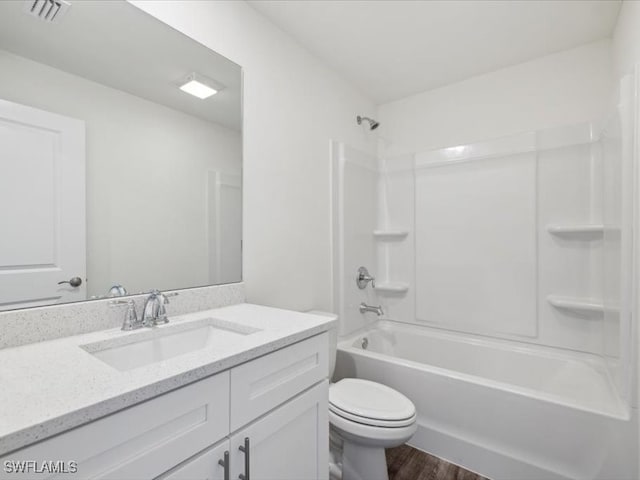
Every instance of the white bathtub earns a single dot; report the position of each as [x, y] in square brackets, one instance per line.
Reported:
[503, 409]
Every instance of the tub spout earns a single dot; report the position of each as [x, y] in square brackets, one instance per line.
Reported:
[364, 308]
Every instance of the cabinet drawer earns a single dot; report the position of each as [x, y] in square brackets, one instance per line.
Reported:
[142, 441]
[266, 382]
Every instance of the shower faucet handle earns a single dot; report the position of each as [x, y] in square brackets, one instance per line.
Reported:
[363, 277]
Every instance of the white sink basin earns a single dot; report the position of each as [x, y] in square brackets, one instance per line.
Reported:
[162, 343]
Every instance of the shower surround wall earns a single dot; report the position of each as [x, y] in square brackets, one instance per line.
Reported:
[503, 210]
[524, 239]
[565, 173]
[541, 97]
[354, 200]
[491, 251]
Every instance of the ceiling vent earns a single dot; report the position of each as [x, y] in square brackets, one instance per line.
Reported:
[48, 10]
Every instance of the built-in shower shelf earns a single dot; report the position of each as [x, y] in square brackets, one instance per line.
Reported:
[390, 235]
[584, 305]
[392, 287]
[578, 229]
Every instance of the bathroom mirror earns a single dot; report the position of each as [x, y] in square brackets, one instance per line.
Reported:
[120, 155]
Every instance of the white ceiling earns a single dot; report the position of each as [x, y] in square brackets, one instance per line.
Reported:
[118, 45]
[392, 49]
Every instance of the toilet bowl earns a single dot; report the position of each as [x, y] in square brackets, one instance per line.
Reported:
[365, 417]
[368, 417]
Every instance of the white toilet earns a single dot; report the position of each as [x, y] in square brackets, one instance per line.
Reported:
[365, 418]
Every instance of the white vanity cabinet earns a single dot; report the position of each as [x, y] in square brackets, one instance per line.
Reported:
[290, 443]
[276, 403]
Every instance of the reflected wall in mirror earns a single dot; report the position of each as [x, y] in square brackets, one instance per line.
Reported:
[113, 177]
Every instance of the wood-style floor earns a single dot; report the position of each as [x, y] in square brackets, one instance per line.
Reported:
[407, 463]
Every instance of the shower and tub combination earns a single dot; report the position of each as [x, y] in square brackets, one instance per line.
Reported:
[503, 275]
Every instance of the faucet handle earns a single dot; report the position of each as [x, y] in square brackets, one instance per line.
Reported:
[363, 277]
[130, 317]
[167, 295]
[162, 310]
[157, 293]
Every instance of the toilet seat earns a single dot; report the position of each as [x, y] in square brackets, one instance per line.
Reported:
[370, 403]
[372, 422]
[370, 435]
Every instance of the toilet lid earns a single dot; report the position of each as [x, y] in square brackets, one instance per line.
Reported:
[370, 403]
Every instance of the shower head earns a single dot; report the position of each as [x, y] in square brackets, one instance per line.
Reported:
[373, 124]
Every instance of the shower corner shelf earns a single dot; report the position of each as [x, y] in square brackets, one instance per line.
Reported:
[576, 229]
[392, 287]
[390, 234]
[580, 305]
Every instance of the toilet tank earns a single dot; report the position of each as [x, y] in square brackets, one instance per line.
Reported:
[333, 339]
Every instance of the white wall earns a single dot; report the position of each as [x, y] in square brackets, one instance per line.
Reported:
[293, 106]
[146, 199]
[568, 87]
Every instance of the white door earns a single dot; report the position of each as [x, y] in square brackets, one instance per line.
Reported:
[42, 207]
[209, 465]
[290, 443]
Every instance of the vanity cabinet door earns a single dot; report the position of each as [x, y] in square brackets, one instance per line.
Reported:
[290, 443]
[204, 466]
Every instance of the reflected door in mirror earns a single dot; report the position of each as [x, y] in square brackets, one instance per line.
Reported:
[42, 194]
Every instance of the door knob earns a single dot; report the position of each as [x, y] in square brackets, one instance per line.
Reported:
[74, 282]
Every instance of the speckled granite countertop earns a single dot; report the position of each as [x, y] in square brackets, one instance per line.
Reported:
[53, 386]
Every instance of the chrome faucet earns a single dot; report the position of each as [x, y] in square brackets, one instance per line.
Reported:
[364, 308]
[154, 311]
